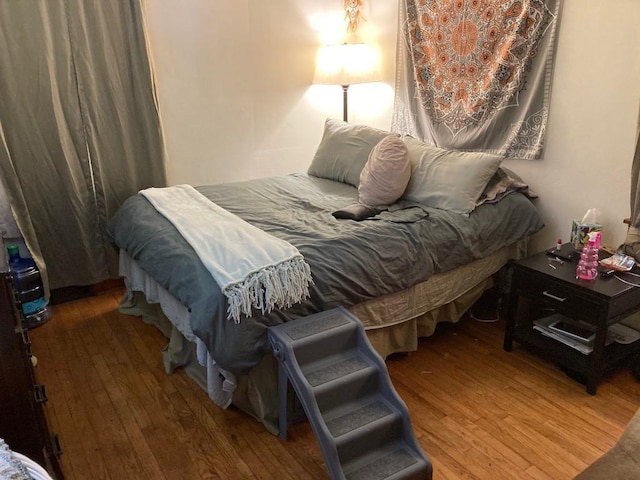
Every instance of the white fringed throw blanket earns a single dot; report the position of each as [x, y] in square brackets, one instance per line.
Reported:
[254, 269]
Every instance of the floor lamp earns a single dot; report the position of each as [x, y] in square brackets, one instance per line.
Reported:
[344, 65]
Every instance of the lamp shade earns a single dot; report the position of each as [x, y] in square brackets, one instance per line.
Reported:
[346, 64]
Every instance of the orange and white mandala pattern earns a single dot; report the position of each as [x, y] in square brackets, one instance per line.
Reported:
[471, 57]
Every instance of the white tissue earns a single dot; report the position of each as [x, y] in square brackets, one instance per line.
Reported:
[591, 217]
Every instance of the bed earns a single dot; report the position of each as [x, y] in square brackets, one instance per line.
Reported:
[400, 271]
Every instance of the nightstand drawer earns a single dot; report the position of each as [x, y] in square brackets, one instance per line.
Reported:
[559, 297]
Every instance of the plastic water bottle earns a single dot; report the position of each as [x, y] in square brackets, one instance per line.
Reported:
[28, 287]
[588, 263]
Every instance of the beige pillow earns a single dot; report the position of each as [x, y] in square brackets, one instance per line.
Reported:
[386, 174]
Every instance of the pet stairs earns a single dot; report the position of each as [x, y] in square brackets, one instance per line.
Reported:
[361, 423]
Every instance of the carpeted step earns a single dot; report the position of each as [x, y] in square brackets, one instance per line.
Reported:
[337, 399]
[372, 436]
[314, 341]
[334, 367]
[395, 462]
[351, 416]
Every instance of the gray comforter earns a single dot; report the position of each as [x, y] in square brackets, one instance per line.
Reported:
[350, 261]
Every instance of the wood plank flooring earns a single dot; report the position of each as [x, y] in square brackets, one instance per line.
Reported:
[478, 412]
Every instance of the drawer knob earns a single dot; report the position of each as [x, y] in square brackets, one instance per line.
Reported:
[551, 295]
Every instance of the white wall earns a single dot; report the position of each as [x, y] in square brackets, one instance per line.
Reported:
[234, 83]
[593, 120]
[234, 88]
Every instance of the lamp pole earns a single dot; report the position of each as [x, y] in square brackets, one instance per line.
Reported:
[344, 102]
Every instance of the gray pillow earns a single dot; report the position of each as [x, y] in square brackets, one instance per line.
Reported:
[447, 179]
[504, 183]
[343, 151]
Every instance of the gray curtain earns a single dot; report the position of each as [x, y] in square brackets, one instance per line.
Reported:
[631, 245]
[79, 128]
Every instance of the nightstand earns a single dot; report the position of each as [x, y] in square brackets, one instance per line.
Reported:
[541, 287]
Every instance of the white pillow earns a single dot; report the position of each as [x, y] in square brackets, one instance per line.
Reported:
[386, 174]
[448, 179]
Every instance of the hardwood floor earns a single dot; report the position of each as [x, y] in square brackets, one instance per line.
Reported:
[478, 412]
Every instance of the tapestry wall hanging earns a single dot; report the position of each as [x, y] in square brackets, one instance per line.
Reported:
[475, 75]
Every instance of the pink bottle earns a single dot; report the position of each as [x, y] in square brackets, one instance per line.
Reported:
[588, 263]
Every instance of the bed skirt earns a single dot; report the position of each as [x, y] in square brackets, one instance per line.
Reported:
[393, 324]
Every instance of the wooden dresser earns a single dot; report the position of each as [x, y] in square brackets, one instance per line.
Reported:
[23, 422]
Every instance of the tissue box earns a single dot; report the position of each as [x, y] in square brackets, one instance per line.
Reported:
[580, 233]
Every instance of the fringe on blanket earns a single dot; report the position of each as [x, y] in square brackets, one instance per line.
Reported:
[277, 286]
